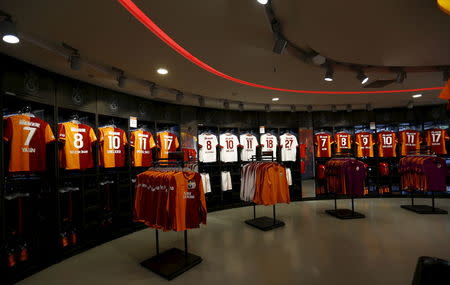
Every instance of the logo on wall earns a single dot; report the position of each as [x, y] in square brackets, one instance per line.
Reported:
[31, 83]
[113, 103]
[78, 95]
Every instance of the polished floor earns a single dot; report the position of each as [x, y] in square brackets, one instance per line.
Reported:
[313, 248]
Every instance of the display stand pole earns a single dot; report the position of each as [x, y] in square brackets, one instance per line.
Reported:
[424, 209]
[157, 242]
[345, 214]
[353, 205]
[274, 215]
[265, 223]
[432, 200]
[254, 211]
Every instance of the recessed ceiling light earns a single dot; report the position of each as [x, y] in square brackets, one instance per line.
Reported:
[162, 71]
[8, 31]
[264, 2]
[329, 74]
[275, 99]
[362, 77]
[417, 95]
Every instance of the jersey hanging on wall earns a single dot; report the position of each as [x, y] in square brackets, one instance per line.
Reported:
[167, 142]
[364, 144]
[77, 140]
[27, 137]
[142, 143]
[269, 143]
[387, 143]
[249, 143]
[229, 144]
[323, 142]
[208, 150]
[410, 142]
[343, 141]
[436, 139]
[112, 147]
[289, 146]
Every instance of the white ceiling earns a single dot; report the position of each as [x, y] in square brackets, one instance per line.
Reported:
[234, 36]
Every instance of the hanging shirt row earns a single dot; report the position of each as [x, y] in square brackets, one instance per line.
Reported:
[28, 136]
[247, 143]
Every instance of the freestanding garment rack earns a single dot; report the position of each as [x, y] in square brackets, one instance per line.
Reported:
[424, 209]
[345, 214]
[264, 223]
[173, 262]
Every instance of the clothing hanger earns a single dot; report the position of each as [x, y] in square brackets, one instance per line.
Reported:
[26, 111]
[75, 118]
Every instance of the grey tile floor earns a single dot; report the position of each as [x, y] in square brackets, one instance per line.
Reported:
[313, 248]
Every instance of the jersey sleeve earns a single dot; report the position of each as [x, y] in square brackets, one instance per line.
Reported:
[124, 138]
[49, 137]
[446, 136]
[177, 143]
[7, 136]
[151, 141]
[92, 135]
[61, 132]
[133, 138]
[101, 137]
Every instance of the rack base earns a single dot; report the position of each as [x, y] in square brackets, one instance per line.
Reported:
[171, 263]
[345, 214]
[424, 209]
[265, 223]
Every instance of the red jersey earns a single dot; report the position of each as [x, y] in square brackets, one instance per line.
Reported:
[364, 144]
[27, 137]
[142, 143]
[343, 141]
[436, 139]
[77, 140]
[112, 147]
[323, 142]
[167, 142]
[387, 143]
[410, 142]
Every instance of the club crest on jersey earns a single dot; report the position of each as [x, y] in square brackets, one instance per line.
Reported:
[192, 184]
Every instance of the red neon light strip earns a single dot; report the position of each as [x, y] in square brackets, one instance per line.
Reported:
[146, 21]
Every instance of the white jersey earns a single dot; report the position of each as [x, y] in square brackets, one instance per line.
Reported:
[289, 146]
[249, 143]
[229, 144]
[269, 143]
[208, 151]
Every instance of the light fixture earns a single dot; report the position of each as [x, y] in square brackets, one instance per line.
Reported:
[241, 106]
[410, 105]
[201, 101]
[401, 76]
[293, 108]
[275, 99]
[329, 73]
[264, 2]
[226, 104]
[267, 108]
[280, 44]
[416, 95]
[179, 96]
[309, 108]
[152, 88]
[362, 77]
[121, 81]
[349, 108]
[8, 31]
[369, 107]
[162, 71]
[333, 108]
[75, 61]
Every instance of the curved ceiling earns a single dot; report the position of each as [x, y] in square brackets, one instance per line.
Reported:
[234, 36]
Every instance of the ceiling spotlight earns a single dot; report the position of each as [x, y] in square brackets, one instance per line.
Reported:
[8, 31]
[264, 2]
[362, 77]
[241, 106]
[410, 105]
[416, 95]
[201, 101]
[152, 88]
[267, 108]
[179, 96]
[162, 71]
[401, 76]
[275, 99]
[318, 59]
[309, 108]
[280, 44]
[349, 108]
[75, 61]
[329, 73]
[333, 108]
[293, 108]
[369, 107]
[226, 105]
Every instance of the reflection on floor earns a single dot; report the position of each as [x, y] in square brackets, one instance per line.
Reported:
[308, 188]
[313, 248]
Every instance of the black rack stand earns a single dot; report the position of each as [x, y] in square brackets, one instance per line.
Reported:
[173, 262]
[265, 223]
[424, 209]
[344, 214]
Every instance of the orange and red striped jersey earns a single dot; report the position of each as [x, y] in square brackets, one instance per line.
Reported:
[436, 139]
[343, 141]
[364, 144]
[410, 142]
[167, 142]
[323, 142]
[112, 147]
[142, 142]
[387, 143]
[27, 137]
[77, 139]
